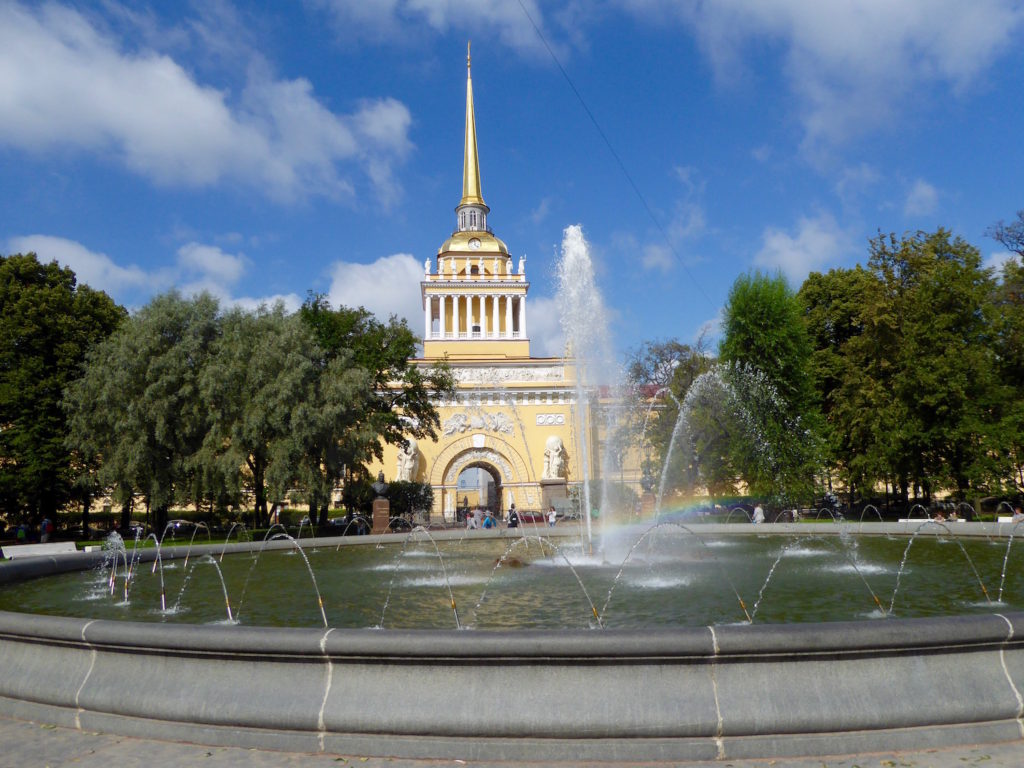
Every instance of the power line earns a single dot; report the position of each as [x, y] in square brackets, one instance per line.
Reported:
[618, 160]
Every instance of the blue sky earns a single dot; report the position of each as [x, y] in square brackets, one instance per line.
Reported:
[263, 150]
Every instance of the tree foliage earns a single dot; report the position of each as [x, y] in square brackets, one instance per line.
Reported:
[370, 365]
[261, 369]
[47, 324]
[765, 435]
[186, 404]
[408, 497]
[139, 405]
[904, 366]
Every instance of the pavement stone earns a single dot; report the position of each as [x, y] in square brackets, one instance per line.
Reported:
[26, 744]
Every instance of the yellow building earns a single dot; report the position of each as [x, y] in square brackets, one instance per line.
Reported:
[512, 416]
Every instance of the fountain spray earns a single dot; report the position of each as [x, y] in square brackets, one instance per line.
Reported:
[583, 321]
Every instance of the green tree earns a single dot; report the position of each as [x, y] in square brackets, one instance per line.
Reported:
[139, 407]
[1008, 328]
[371, 392]
[943, 364]
[766, 351]
[407, 497]
[763, 328]
[660, 375]
[904, 366]
[850, 330]
[260, 367]
[47, 324]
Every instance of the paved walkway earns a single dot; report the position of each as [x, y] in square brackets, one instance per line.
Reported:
[31, 745]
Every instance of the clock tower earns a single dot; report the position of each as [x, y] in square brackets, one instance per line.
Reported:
[511, 421]
[474, 298]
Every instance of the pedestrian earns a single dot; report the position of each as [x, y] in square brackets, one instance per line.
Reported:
[552, 516]
[758, 515]
[513, 517]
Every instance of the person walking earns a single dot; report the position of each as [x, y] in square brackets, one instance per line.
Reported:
[552, 516]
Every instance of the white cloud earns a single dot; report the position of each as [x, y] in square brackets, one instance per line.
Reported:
[397, 19]
[922, 199]
[854, 181]
[64, 83]
[212, 261]
[995, 261]
[97, 270]
[657, 257]
[851, 63]
[388, 286]
[207, 268]
[196, 268]
[540, 213]
[544, 327]
[817, 244]
[687, 224]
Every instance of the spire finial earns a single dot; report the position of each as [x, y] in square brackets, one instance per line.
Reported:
[471, 193]
[468, 58]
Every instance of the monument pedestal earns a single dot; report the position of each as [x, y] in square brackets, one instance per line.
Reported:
[381, 515]
[554, 491]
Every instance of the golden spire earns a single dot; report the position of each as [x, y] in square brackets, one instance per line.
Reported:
[471, 192]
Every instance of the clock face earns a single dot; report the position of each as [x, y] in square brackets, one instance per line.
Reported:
[474, 243]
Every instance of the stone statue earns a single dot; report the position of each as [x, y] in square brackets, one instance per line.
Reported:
[554, 459]
[459, 422]
[426, 266]
[522, 265]
[380, 487]
[408, 461]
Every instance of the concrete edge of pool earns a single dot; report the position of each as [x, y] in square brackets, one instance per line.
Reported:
[726, 692]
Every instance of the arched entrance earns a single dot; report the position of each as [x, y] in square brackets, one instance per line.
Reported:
[502, 463]
[478, 485]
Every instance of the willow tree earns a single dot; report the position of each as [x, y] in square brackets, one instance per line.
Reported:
[370, 393]
[139, 405]
[260, 371]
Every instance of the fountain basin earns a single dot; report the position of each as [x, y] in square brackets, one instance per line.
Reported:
[729, 691]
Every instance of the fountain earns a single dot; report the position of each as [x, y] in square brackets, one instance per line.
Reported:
[678, 640]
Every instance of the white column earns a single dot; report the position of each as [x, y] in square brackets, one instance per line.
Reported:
[508, 316]
[494, 316]
[428, 305]
[522, 316]
[455, 318]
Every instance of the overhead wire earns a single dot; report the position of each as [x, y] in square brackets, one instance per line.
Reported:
[615, 155]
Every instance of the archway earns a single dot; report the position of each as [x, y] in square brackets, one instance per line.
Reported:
[478, 486]
[498, 458]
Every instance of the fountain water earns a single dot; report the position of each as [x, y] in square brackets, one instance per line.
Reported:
[583, 320]
[668, 670]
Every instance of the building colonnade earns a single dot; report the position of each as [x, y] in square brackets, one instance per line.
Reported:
[461, 315]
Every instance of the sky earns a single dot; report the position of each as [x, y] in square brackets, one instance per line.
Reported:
[264, 150]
